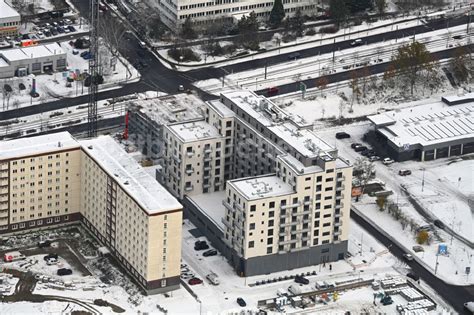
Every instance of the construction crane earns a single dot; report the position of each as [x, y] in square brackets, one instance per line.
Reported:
[94, 69]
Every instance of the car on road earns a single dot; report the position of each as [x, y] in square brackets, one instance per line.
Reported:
[355, 144]
[342, 135]
[64, 272]
[404, 172]
[457, 37]
[142, 45]
[413, 276]
[241, 302]
[356, 42]
[211, 252]
[194, 281]
[294, 55]
[273, 91]
[408, 257]
[187, 275]
[180, 88]
[438, 223]
[301, 279]
[45, 243]
[387, 161]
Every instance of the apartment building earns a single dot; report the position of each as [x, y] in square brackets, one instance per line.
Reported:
[55, 179]
[174, 12]
[286, 202]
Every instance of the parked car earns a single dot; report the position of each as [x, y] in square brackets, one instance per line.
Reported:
[241, 302]
[438, 223]
[211, 252]
[404, 172]
[43, 244]
[64, 272]
[201, 245]
[50, 256]
[71, 28]
[184, 266]
[194, 281]
[414, 276]
[51, 261]
[360, 148]
[342, 135]
[40, 35]
[301, 279]
[408, 257]
[60, 29]
[47, 33]
[387, 161]
[354, 145]
[53, 31]
[75, 51]
[374, 158]
[213, 279]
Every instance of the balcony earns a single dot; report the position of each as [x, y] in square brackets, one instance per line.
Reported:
[288, 242]
[206, 185]
[308, 202]
[189, 171]
[189, 188]
[238, 206]
[338, 223]
[339, 197]
[337, 233]
[289, 223]
[207, 168]
[227, 205]
[340, 188]
[208, 150]
[226, 223]
[190, 154]
[176, 159]
[207, 158]
[291, 205]
[339, 206]
[340, 179]
[338, 215]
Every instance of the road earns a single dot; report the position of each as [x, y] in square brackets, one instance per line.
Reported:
[454, 295]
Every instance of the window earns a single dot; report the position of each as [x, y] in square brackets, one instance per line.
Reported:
[319, 179]
[253, 208]
[272, 204]
[269, 250]
[252, 226]
[326, 233]
[251, 244]
[269, 241]
[271, 214]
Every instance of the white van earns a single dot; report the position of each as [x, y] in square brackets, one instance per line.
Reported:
[212, 277]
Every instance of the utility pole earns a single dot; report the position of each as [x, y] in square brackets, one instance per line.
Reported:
[266, 66]
[423, 180]
[437, 263]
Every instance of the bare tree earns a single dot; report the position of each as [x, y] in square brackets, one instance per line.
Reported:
[321, 83]
[363, 172]
[354, 85]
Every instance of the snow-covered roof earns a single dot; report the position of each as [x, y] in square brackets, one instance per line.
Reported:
[304, 141]
[3, 62]
[263, 109]
[17, 148]
[170, 108]
[261, 187]
[7, 11]
[297, 166]
[131, 177]
[458, 99]
[32, 52]
[211, 205]
[196, 130]
[223, 110]
[428, 124]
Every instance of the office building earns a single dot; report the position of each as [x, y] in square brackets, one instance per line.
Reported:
[10, 21]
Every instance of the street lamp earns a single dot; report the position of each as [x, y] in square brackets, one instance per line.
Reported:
[200, 306]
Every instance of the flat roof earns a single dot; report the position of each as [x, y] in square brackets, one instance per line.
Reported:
[211, 205]
[7, 11]
[39, 145]
[261, 187]
[192, 131]
[304, 141]
[428, 124]
[131, 177]
[169, 108]
[223, 110]
[297, 166]
[32, 52]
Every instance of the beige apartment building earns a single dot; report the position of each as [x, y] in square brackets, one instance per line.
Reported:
[55, 179]
[286, 202]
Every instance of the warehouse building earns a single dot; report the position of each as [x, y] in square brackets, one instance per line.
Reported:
[10, 21]
[428, 132]
[55, 180]
[32, 60]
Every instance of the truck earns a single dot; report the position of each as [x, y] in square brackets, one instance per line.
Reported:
[293, 289]
[13, 256]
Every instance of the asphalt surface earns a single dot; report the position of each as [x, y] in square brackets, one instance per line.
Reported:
[454, 295]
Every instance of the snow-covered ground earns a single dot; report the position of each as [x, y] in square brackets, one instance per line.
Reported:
[53, 87]
[319, 65]
[444, 196]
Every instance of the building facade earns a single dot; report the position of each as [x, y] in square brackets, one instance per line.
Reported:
[54, 179]
[174, 12]
[32, 60]
[286, 201]
[10, 21]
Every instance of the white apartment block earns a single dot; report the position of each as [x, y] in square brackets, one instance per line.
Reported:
[174, 12]
[55, 180]
[286, 198]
